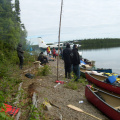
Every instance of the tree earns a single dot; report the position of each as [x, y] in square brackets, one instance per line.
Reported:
[17, 10]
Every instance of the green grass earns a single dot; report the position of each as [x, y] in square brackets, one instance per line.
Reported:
[75, 85]
[43, 71]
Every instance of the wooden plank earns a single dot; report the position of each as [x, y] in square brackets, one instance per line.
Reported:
[80, 110]
[18, 96]
[17, 101]
[34, 102]
[117, 107]
[18, 115]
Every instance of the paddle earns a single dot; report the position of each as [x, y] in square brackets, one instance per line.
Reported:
[80, 110]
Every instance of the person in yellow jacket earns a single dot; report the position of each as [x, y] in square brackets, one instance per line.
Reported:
[48, 50]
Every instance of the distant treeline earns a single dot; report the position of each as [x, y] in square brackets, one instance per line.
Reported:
[99, 43]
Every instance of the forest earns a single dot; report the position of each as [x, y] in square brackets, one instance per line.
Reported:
[12, 32]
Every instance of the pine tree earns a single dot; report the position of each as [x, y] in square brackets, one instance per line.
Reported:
[17, 10]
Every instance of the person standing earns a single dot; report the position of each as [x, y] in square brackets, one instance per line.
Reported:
[48, 51]
[61, 52]
[76, 62]
[67, 60]
[54, 52]
[20, 53]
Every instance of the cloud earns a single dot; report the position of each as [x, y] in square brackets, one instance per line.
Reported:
[80, 18]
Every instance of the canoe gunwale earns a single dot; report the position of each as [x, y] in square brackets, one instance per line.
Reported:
[102, 84]
[101, 104]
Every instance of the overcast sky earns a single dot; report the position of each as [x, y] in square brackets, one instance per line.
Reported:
[81, 19]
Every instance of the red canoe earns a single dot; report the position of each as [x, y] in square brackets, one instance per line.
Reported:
[100, 82]
[107, 103]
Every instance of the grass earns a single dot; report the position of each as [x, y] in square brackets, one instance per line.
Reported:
[10, 77]
[43, 71]
[75, 85]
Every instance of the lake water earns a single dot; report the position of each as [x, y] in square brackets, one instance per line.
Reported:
[104, 58]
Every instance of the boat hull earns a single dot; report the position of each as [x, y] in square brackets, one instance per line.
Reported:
[83, 70]
[102, 84]
[104, 107]
[104, 70]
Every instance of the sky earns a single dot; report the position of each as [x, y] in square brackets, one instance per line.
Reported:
[81, 19]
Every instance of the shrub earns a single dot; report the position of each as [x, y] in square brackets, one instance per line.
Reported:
[28, 58]
[43, 71]
[72, 85]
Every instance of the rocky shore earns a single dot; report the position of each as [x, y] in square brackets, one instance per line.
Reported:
[60, 96]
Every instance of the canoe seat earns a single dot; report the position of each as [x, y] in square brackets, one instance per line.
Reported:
[117, 107]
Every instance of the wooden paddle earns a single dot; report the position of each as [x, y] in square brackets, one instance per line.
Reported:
[80, 110]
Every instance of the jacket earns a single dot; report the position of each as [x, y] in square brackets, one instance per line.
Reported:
[67, 55]
[19, 50]
[75, 57]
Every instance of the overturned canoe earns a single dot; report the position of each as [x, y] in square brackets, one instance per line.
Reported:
[100, 82]
[107, 103]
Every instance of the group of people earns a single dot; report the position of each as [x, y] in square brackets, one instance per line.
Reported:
[71, 60]
[43, 59]
[53, 51]
[70, 56]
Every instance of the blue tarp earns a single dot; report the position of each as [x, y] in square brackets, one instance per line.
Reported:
[82, 62]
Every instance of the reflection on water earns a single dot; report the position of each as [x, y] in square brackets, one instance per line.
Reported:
[104, 58]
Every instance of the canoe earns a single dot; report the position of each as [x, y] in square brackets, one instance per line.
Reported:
[83, 70]
[100, 81]
[104, 70]
[107, 103]
[99, 70]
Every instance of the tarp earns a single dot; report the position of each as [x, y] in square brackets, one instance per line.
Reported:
[10, 109]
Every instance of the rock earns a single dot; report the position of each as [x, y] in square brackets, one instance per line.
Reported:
[46, 105]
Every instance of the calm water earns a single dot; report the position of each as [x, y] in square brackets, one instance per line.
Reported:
[104, 58]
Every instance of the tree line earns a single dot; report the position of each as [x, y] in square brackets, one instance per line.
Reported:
[12, 31]
[99, 43]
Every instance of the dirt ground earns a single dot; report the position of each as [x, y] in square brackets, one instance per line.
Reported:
[61, 96]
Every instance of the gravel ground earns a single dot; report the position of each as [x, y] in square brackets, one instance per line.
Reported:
[61, 96]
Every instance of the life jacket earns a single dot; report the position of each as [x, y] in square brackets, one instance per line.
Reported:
[48, 49]
[10, 109]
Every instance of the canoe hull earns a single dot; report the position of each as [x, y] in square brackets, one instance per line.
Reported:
[102, 84]
[83, 70]
[109, 111]
[104, 70]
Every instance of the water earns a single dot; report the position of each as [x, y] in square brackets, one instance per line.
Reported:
[104, 58]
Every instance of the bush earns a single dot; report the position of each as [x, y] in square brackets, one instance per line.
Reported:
[43, 71]
[28, 58]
